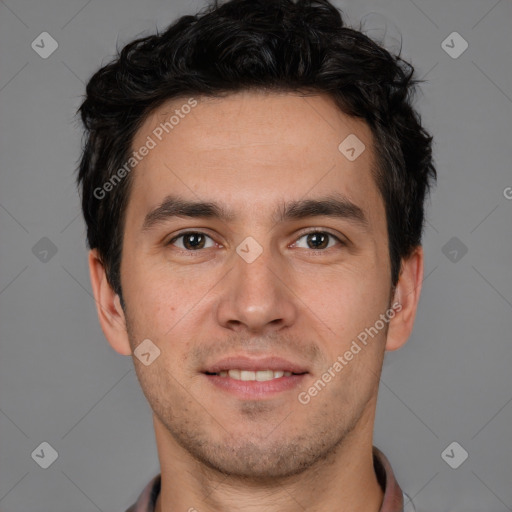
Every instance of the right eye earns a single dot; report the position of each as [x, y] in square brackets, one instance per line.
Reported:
[191, 241]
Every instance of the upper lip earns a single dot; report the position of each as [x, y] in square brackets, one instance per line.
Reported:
[273, 363]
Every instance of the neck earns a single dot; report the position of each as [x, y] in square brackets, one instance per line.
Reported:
[345, 482]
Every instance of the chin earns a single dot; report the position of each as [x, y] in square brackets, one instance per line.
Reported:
[262, 461]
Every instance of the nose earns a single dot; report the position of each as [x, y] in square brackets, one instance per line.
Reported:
[257, 296]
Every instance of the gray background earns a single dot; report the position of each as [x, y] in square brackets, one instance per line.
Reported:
[60, 381]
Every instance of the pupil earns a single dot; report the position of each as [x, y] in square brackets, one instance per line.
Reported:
[317, 239]
[194, 240]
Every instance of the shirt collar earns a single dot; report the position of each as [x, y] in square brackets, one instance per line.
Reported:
[393, 500]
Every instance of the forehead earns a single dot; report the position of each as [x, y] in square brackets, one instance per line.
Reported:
[252, 148]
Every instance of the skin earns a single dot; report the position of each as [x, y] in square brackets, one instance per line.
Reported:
[251, 152]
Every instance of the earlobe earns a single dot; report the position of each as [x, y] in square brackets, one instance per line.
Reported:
[108, 306]
[405, 300]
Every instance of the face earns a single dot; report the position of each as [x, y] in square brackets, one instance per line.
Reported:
[273, 276]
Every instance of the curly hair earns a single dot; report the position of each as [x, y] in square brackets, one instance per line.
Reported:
[271, 45]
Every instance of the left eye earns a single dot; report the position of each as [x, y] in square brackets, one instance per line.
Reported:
[317, 240]
[192, 241]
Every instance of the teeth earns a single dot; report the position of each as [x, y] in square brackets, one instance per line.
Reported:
[264, 375]
[234, 374]
[246, 375]
[260, 375]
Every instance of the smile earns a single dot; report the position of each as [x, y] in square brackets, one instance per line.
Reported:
[259, 375]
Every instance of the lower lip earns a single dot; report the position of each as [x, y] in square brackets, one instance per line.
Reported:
[254, 389]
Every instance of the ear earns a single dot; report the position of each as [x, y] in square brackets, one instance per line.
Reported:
[405, 300]
[108, 306]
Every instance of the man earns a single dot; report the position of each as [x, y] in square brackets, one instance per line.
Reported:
[253, 182]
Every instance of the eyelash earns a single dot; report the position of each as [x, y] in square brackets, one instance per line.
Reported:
[181, 235]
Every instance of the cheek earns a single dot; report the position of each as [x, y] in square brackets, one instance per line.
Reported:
[152, 303]
[166, 302]
[344, 304]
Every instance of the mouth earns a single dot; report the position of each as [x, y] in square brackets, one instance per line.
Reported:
[252, 379]
[258, 375]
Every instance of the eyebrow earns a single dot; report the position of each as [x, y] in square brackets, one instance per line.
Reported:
[335, 205]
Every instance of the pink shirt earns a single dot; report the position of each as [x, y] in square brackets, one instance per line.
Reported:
[393, 497]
